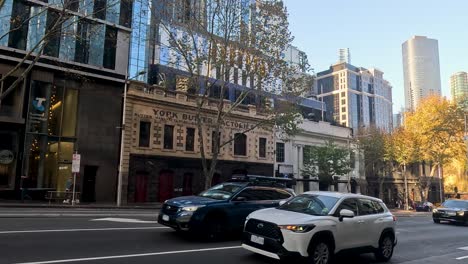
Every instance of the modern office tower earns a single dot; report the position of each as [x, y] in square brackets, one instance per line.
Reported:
[459, 86]
[344, 55]
[356, 97]
[421, 70]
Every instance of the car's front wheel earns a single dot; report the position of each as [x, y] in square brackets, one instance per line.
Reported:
[320, 253]
[215, 227]
[385, 251]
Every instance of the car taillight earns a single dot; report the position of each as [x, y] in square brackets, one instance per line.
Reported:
[394, 218]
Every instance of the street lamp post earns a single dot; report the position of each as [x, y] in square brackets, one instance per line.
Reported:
[122, 138]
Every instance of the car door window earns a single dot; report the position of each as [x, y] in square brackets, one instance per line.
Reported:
[264, 194]
[254, 195]
[366, 207]
[349, 204]
[377, 207]
[278, 194]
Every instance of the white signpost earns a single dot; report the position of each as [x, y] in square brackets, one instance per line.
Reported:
[75, 170]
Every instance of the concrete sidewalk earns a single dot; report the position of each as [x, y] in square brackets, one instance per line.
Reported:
[42, 204]
[404, 213]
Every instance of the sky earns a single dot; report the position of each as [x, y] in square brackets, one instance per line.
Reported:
[374, 30]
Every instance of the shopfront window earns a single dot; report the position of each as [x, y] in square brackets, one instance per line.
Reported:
[51, 128]
[8, 157]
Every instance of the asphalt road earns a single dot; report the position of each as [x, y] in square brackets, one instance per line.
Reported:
[139, 239]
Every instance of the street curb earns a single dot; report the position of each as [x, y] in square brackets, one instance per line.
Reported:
[412, 215]
[64, 215]
[79, 207]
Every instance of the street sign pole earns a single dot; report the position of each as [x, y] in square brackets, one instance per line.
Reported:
[75, 170]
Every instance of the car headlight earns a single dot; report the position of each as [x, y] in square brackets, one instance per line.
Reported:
[461, 213]
[434, 210]
[191, 208]
[298, 228]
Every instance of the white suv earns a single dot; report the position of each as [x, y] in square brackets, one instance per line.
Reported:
[317, 225]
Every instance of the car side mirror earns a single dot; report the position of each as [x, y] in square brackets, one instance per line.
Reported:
[282, 202]
[345, 213]
[240, 199]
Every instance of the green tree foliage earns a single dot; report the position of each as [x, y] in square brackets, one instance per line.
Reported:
[326, 161]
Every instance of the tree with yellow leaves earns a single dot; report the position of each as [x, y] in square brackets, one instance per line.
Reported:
[437, 124]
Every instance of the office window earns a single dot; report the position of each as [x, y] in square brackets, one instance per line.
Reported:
[53, 44]
[100, 9]
[18, 25]
[213, 140]
[82, 42]
[110, 46]
[190, 139]
[113, 11]
[262, 147]
[145, 134]
[126, 13]
[279, 152]
[68, 39]
[71, 5]
[240, 144]
[168, 137]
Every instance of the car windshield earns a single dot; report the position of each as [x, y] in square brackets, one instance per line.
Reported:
[222, 191]
[310, 204]
[455, 204]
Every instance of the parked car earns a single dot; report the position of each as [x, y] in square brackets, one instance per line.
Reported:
[454, 211]
[424, 206]
[317, 225]
[223, 208]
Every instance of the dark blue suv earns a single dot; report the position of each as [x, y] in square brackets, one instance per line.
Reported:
[222, 209]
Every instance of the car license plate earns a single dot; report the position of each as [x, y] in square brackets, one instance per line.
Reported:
[165, 218]
[257, 239]
[451, 213]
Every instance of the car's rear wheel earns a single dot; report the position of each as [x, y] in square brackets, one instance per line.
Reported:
[320, 253]
[385, 251]
[437, 221]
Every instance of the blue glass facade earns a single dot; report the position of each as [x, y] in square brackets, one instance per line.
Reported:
[5, 15]
[37, 27]
[140, 39]
[78, 39]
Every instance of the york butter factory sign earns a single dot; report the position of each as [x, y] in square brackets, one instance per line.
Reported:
[167, 115]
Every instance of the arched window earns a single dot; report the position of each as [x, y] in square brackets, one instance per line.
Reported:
[240, 144]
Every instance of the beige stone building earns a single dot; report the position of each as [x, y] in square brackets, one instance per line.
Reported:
[161, 157]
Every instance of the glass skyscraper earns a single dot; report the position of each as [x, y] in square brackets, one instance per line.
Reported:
[459, 86]
[421, 69]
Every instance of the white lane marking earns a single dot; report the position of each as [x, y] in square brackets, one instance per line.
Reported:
[132, 255]
[125, 220]
[81, 229]
[463, 248]
[460, 258]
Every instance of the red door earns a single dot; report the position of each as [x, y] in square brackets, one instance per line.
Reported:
[166, 185]
[141, 188]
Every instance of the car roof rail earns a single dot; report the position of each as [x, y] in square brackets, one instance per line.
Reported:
[268, 181]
